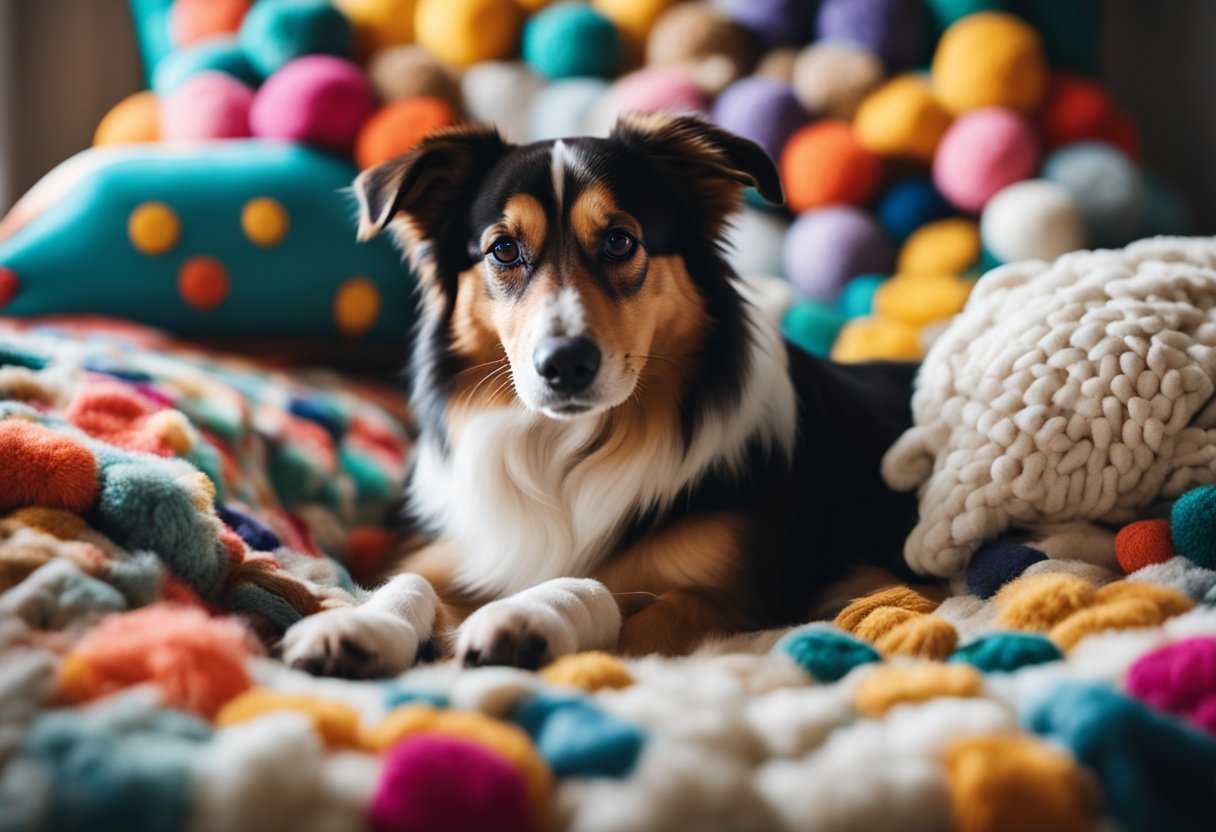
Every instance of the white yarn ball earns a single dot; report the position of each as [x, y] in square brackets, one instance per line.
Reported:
[1032, 220]
[755, 241]
[501, 93]
[561, 109]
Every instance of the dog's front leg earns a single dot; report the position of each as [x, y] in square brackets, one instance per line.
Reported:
[380, 637]
[537, 625]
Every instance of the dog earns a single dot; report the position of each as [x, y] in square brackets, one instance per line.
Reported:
[616, 450]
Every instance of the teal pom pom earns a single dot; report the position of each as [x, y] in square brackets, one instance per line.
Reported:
[1193, 525]
[946, 12]
[569, 40]
[1005, 652]
[812, 326]
[856, 299]
[220, 54]
[828, 655]
[578, 740]
[276, 32]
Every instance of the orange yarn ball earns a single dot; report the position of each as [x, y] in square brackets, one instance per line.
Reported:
[196, 661]
[134, 119]
[824, 164]
[1144, 543]
[398, 126]
[203, 282]
[193, 20]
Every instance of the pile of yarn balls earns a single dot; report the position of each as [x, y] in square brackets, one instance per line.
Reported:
[920, 141]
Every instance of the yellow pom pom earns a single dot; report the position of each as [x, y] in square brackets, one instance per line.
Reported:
[65, 525]
[589, 671]
[917, 300]
[134, 119]
[1010, 783]
[885, 686]
[504, 739]
[465, 32]
[1040, 602]
[173, 429]
[335, 722]
[379, 23]
[899, 597]
[264, 221]
[990, 59]
[357, 306]
[922, 637]
[872, 339]
[632, 17]
[901, 119]
[1120, 606]
[153, 228]
[950, 246]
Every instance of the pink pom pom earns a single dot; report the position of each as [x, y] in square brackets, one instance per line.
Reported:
[317, 99]
[658, 90]
[1180, 679]
[208, 105]
[982, 152]
[438, 782]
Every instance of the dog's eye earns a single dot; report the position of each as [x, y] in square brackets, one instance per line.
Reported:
[505, 251]
[618, 245]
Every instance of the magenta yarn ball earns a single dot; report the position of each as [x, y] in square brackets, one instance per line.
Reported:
[318, 99]
[827, 246]
[984, 151]
[208, 105]
[438, 782]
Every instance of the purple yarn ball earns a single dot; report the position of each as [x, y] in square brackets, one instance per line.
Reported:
[895, 30]
[764, 110]
[826, 247]
[775, 22]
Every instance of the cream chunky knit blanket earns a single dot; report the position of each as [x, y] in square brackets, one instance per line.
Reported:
[1075, 390]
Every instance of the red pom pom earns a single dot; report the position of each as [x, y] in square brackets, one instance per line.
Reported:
[1076, 109]
[1144, 543]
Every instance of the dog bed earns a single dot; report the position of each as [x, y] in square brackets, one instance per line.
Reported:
[165, 514]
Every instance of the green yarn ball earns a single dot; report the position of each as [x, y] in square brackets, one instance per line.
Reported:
[1193, 525]
[813, 326]
[827, 655]
[1005, 652]
[276, 32]
[570, 40]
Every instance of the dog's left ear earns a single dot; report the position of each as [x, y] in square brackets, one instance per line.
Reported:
[702, 160]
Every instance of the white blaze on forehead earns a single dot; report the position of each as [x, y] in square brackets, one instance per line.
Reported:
[564, 314]
[557, 161]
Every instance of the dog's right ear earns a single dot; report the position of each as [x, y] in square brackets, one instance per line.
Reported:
[422, 186]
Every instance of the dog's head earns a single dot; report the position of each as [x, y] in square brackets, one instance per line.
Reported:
[569, 266]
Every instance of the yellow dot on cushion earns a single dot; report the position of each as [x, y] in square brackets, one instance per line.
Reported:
[887, 686]
[335, 722]
[1012, 782]
[357, 306]
[265, 221]
[203, 282]
[919, 299]
[153, 228]
[589, 671]
[949, 246]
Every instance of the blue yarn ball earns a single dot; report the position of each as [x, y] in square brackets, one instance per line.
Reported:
[275, 32]
[895, 30]
[909, 204]
[569, 40]
[827, 655]
[259, 538]
[1005, 652]
[1107, 185]
[856, 299]
[1193, 525]
[220, 54]
[996, 564]
[813, 326]
[1155, 771]
[577, 739]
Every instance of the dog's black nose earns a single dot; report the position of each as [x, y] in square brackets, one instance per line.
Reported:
[567, 365]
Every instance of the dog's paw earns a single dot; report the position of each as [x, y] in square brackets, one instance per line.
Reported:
[351, 643]
[536, 626]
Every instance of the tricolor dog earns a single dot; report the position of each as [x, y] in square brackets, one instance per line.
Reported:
[616, 450]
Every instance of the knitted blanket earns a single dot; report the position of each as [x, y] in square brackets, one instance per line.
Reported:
[164, 514]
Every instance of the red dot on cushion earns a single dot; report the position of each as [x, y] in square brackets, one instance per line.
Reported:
[203, 282]
[1143, 543]
[8, 286]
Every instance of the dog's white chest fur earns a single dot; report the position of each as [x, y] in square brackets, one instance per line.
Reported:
[523, 502]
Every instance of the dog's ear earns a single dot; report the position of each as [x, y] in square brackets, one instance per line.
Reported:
[708, 163]
[425, 184]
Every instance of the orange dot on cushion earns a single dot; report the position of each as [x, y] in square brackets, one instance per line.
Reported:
[9, 284]
[45, 468]
[357, 306]
[824, 164]
[153, 228]
[398, 126]
[203, 282]
[265, 221]
[1143, 543]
